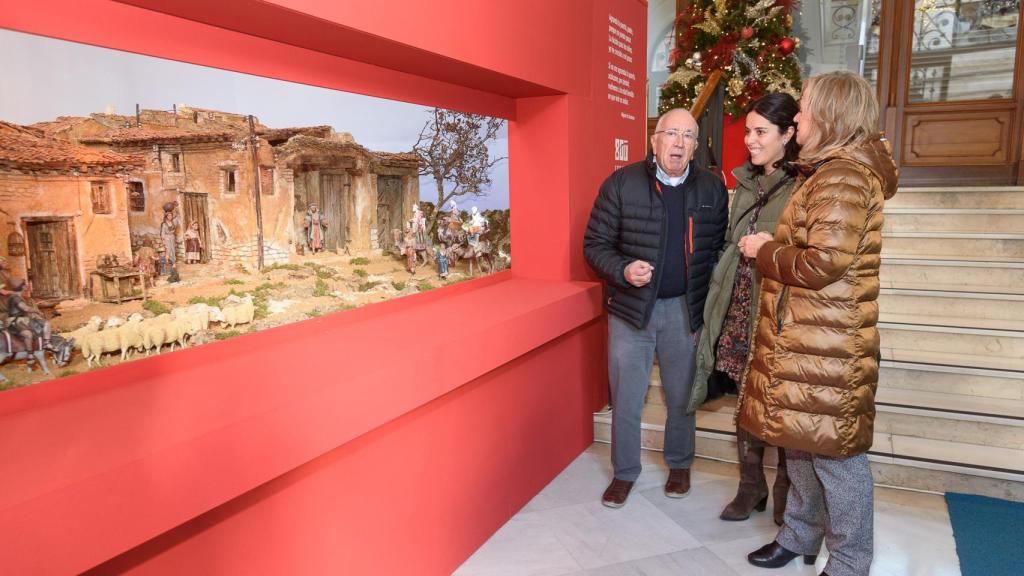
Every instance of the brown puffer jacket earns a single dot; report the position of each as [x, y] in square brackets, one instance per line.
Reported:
[811, 379]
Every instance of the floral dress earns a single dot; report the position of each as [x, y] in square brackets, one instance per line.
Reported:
[734, 343]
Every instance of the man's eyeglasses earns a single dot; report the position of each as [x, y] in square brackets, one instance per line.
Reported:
[672, 133]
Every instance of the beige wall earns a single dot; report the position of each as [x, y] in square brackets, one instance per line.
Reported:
[26, 196]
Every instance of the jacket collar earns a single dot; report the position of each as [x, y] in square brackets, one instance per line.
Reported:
[746, 175]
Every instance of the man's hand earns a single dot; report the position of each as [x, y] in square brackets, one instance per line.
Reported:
[638, 273]
[749, 245]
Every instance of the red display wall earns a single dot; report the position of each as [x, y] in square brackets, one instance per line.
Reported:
[314, 448]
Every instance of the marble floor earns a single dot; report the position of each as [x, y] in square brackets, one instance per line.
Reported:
[565, 530]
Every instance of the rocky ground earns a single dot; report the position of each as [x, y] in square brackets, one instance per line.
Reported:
[308, 286]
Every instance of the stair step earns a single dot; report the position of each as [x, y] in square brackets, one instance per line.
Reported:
[1000, 391]
[955, 380]
[952, 308]
[1007, 220]
[950, 345]
[953, 417]
[995, 247]
[1006, 277]
[982, 197]
[897, 460]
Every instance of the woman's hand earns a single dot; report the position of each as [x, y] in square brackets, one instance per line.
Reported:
[749, 245]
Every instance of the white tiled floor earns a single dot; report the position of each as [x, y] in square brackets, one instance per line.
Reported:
[565, 531]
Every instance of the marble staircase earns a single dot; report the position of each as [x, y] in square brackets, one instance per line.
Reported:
[950, 399]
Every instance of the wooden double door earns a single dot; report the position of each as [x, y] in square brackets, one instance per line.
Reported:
[948, 76]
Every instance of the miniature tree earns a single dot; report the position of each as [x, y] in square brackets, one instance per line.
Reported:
[453, 146]
[751, 41]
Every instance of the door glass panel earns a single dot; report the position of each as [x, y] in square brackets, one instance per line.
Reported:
[963, 50]
[840, 35]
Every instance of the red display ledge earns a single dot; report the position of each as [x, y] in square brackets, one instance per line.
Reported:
[181, 433]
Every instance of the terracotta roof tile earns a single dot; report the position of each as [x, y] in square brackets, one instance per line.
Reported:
[146, 135]
[276, 135]
[398, 158]
[28, 147]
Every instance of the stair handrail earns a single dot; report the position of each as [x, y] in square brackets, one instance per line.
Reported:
[706, 93]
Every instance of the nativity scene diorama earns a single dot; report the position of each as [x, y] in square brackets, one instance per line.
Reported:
[123, 236]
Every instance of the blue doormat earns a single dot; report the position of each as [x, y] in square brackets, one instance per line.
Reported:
[989, 534]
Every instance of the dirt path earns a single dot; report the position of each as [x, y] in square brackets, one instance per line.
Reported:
[306, 287]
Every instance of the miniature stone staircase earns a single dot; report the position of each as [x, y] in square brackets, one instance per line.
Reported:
[950, 401]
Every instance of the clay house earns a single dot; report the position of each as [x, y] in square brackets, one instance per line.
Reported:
[364, 194]
[62, 205]
[203, 160]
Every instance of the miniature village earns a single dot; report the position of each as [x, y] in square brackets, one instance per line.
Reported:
[128, 236]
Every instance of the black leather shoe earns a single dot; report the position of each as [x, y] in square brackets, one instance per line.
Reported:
[773, 555]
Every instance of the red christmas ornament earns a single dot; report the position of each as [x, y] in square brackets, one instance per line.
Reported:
[746, 32]
[786, 46]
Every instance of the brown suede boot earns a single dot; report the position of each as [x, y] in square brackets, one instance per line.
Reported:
[780, 489]
[753, 490]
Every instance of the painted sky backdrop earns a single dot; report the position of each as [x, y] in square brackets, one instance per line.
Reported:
[44, 78]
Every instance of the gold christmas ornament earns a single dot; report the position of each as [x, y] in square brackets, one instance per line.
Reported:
[736, 86]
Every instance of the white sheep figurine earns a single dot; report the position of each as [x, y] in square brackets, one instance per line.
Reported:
[163, 329]
[130, 335]
[96, 344]
[93, 325]
[239, 311]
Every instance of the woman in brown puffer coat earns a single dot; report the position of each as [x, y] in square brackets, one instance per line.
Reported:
[811, 381]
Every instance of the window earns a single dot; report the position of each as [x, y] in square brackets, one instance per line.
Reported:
[136, 197]
[963, 50]
[100, 198]
[175, 162]
[229, 180]
[267, 180]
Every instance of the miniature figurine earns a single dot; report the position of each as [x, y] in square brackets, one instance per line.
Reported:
[419, 227]
[193, 244]
[169, 234]
[146, 259]
[441, 257]
[315, 226]
[410, 249]
[24, 319]
[476, 226]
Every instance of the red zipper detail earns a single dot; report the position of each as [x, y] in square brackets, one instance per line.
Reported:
[690, 231]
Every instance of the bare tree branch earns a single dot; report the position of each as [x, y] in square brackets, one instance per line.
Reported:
[454, 148]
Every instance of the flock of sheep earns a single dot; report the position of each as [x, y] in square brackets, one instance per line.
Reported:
[150, 334]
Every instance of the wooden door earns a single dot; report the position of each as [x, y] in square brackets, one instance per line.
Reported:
[949, 89]
[333, 196]
[53, 272]
[193, 209]
[389, 208]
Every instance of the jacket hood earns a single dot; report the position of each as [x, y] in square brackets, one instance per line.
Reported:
[876, 156]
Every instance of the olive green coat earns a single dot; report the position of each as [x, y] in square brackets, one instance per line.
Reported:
[724, 275]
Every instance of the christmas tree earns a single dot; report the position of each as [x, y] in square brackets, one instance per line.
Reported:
[750, 41]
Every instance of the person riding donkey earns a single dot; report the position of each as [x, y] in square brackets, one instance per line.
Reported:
[24, 320]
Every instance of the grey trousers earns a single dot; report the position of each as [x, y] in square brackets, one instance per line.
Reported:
[630, 360]
[830, 499]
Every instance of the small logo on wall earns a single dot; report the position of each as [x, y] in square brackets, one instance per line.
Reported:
[621, 149]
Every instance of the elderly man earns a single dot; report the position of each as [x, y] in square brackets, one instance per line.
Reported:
[654, 235]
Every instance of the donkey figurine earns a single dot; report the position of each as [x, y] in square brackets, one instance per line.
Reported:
[12, 348]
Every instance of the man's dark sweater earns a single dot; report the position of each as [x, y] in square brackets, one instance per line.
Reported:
[673, 273]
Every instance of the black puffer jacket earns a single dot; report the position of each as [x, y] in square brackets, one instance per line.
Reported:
[628, 223]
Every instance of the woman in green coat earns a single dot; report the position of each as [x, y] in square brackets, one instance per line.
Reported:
[763, 186]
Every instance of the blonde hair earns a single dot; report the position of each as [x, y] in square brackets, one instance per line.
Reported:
[843, 112]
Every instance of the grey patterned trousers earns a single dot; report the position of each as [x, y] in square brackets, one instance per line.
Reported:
[830, 499]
